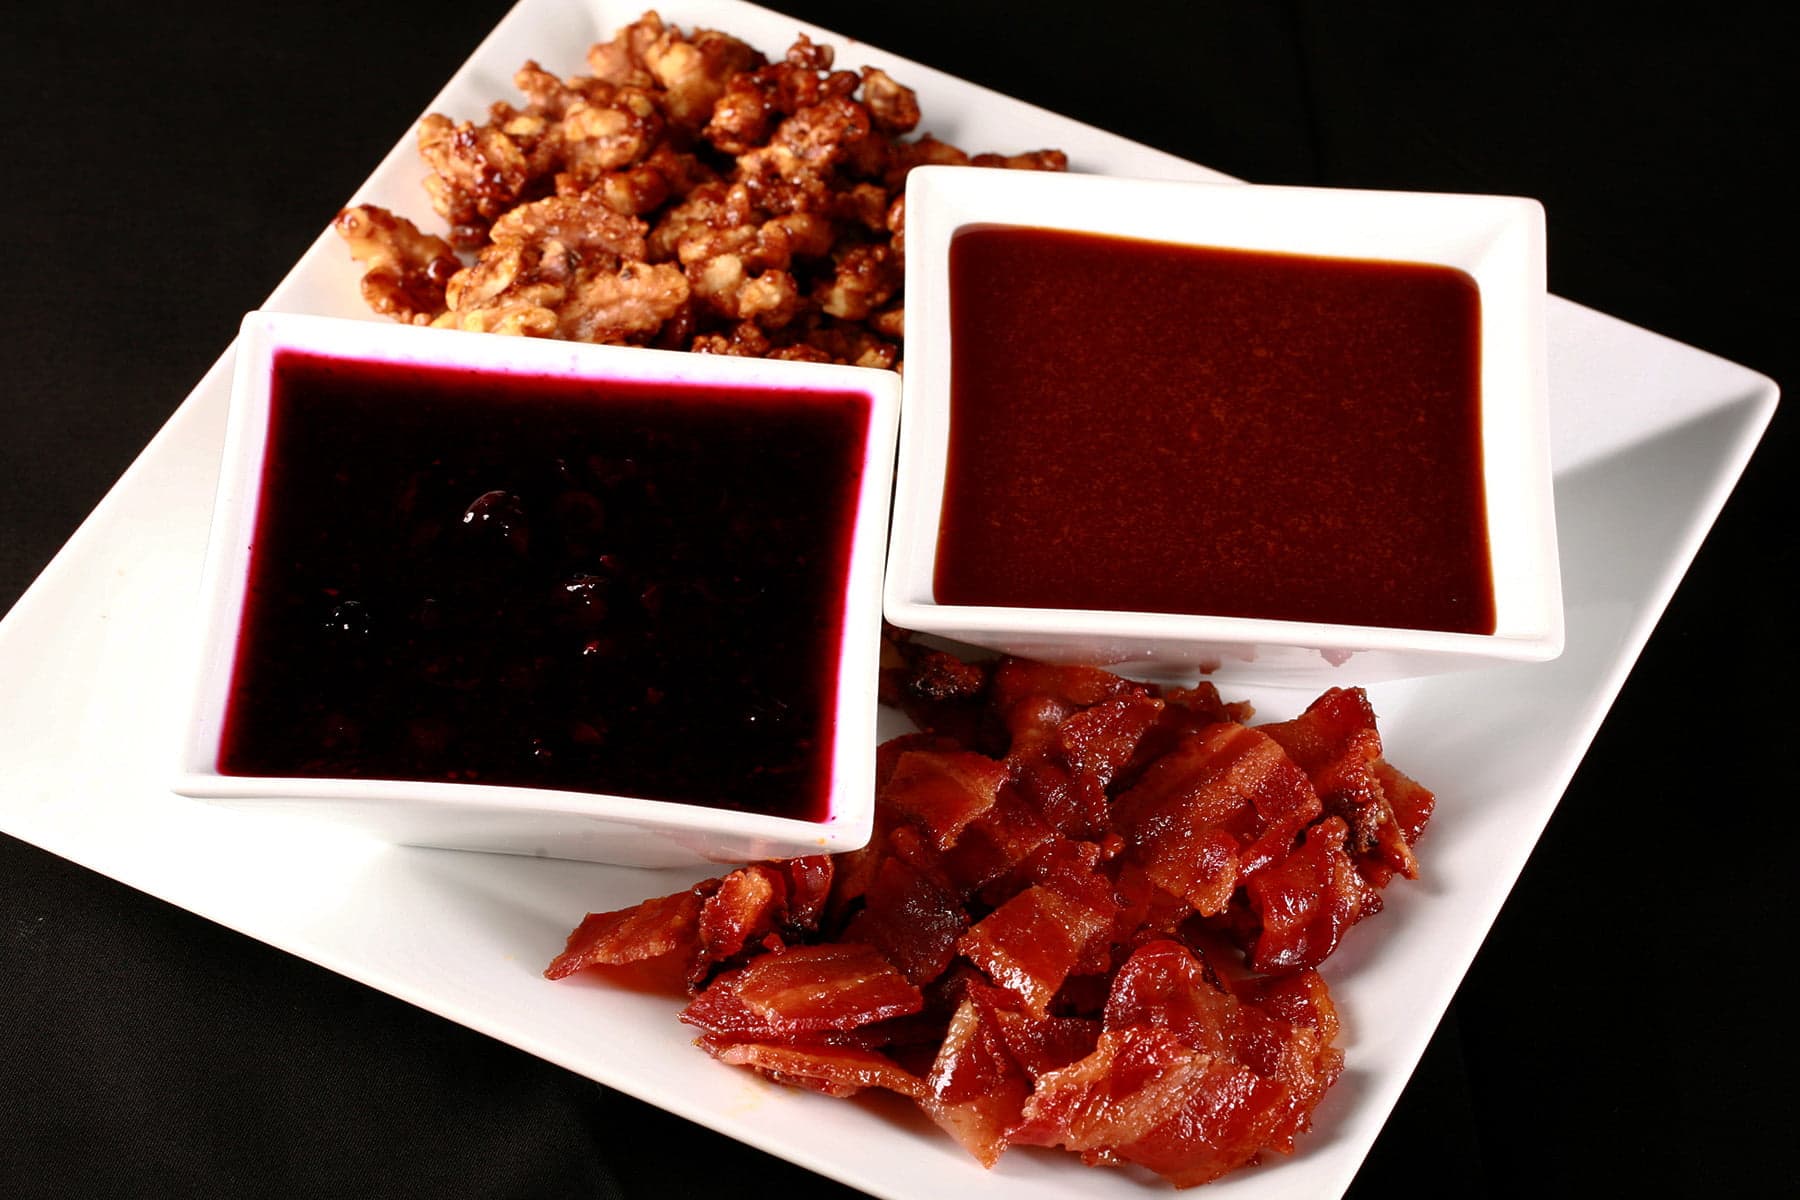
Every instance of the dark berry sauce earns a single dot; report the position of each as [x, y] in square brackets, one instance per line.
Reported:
[601, 586]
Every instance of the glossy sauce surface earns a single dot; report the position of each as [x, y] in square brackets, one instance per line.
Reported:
[610, 587]
[1158, 428]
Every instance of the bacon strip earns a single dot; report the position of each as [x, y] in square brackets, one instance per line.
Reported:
[1043, 947]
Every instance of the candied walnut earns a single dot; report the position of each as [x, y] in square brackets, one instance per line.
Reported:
[621, 60]
[633, 191]
[513, 271]
[893, 108]
[742, 116]
[721, 284]
[694, 73]
[890, 323]
[407, 269]
[477, 173]
[584, 224]
[746, 340]
[867, 277]
[809, 55]
[819, 338]
[925, 151]
[1036, 160]
[598, 138]
[791, 250]
[549, 97]
[627, 305]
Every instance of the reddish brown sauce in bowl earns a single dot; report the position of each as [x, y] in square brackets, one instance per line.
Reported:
[1151, 427]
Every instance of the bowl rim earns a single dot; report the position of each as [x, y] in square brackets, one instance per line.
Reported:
[264, 334]
[1498, 240]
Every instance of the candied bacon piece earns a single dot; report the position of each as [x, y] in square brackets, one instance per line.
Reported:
[1411, 801]
[1042, 1045]
[992, 846]
[1071, 869]
[976, 1090]
[931, 674]
[1205, 706]
[1222, 804]
[664, 925]
[808, 891]
[1017, 679]
[1124, 851]
[834, 1070]
[833, 985]
[1224, 1116]
[942, 791]
[1073, 802]
[1296, 1056]
[723, 1018]
[938, 692]
[1186, 1078]
[1299, 999]
[1029, 945]
[1102, 738]
[1336, 743]
[913, 922]
[1128, 1084]
[1163, 985]
[1306, 901]
[741, 912]
[1146, 910]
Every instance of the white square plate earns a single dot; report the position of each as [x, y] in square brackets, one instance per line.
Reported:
[1648, 437]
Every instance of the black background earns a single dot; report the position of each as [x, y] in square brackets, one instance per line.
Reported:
[1627, 1028]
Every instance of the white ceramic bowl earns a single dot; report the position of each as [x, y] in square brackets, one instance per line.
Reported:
[1497, 241]
[531, 819]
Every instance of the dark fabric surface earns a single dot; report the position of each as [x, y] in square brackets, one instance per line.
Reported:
[1623, 1031]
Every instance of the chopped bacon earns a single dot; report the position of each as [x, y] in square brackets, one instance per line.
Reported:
[1088, 917]
[1098, 741]
[1224, 1116]
[1224, 803]
[1017, 678]
[1411, 801]
[976, 1089]
[1073, 803]
[834, 985]
[665, 925]
[991, 846]
[1164, 986]
[834, 1070]
[742, 912]
[1306, 901]
[943, 791]
[911, 920]
[1335, 742]
[1029, 945]
[1130, 1083]
[808, 891]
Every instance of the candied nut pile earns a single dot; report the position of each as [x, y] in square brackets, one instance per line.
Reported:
[688, 194]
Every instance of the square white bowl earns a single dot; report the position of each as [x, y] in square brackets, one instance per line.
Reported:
[547, 822]
[1497, 241]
